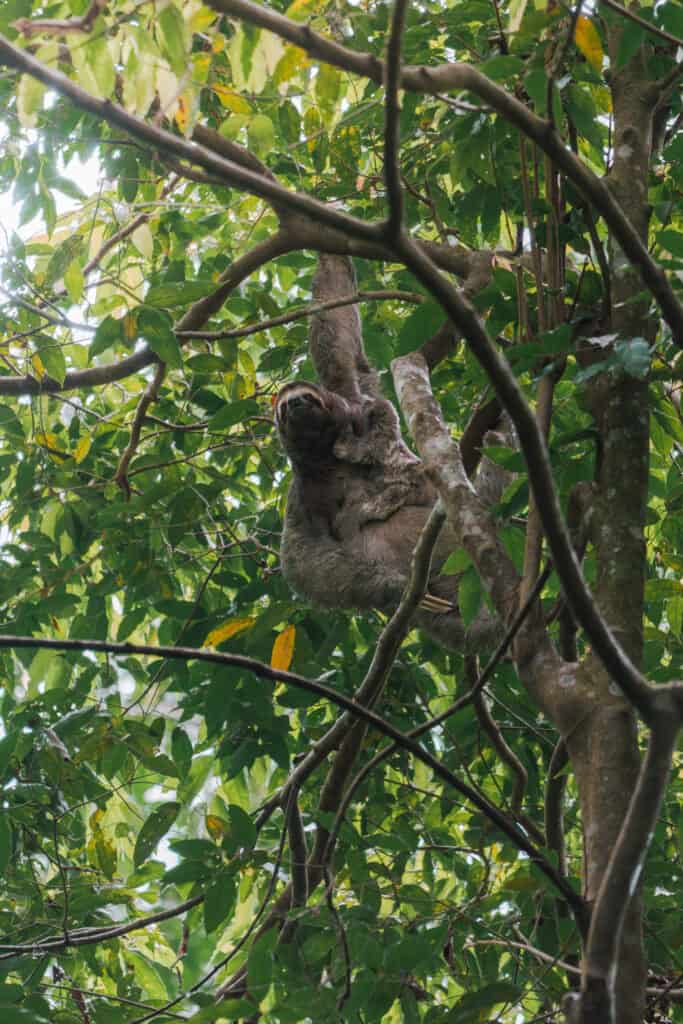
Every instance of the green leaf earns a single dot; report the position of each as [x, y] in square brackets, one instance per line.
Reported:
[100, 61]
[327, 86]
[243, 832]
[110, 332]
[74, 281]
[10, 425]
[219, 900]
[178, 293]
[469, 595]
[63, 255]
[156, 327]
[181, 748]
[154, 827]
[633, 357]
[420, 325]
[260, 964]
[7, 746]
[456, 563]
[52, 358]
[632, 38]
[414, 953]
[172, 31]
[261, 135]
[10, 1014]
[188, 871]
[29, 100]
[232, 413]
[672, 241]
[227, 1009]
[469, 1009]
[502, 67]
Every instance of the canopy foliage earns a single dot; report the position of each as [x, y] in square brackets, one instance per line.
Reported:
[145, 507]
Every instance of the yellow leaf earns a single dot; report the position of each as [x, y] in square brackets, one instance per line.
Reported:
[130, 326]
[82, 448]
[292, 60]
[233, 102]
[182, 114]
[202, 19]
[38, 365]
[201, 63]
[229, 628]
[301, 9]
[283, 649]
[216, 827]
[588, 41]
[218, 44]
[46, 440]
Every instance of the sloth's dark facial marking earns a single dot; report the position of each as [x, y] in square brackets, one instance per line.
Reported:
[309, 420]
[296, 401]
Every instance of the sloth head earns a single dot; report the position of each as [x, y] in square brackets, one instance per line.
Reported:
[309, 420]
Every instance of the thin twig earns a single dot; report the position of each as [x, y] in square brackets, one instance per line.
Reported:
[149, 396]
[29, 27]
[303, 313]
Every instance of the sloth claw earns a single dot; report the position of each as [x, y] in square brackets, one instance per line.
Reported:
[437, 605]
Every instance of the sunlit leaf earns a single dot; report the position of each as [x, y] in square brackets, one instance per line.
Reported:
[283, 648]
[588, 41]
[82, 448]
[229, 628]
[153, 828]
[143, 240]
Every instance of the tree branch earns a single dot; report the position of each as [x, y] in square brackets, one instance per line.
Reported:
[392, 121]
[29, 27]
[149, 396]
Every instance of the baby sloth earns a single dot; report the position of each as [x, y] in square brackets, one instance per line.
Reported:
[358, 501]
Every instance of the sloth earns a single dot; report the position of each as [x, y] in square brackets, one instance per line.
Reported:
[359, 497]
[355, 509]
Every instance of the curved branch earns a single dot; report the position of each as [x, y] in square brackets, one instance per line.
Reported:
[445, 77]
[263, 671]
[149, 396]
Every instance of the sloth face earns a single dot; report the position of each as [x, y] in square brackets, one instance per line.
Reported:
[297, 401]
[309, 420]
